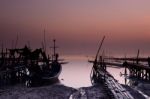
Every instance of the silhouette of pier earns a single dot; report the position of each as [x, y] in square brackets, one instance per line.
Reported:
[138, 67]
[99, 74]
[112, 87]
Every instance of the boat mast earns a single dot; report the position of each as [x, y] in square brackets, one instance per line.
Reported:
[44, 41]
[54, 48]
[54, 55]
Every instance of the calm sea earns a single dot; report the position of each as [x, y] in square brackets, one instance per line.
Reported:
[77, 72]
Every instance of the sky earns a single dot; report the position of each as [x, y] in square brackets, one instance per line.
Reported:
[77, 25]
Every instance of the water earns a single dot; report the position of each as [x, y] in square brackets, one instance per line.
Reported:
[115, 72]
[77, 72]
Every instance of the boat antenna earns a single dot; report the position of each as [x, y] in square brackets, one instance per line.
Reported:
[44, 41]
[54, 47]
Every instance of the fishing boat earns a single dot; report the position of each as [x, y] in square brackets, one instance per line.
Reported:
[55, 66]
[50, 69]
[32, 67]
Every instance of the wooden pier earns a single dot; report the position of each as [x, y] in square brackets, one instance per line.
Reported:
[136, 66]
[113, 88]
[116, 89]
[100, 75]
[138, 71]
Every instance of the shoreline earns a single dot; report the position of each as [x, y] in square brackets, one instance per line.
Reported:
[59, 91]
[55, 91]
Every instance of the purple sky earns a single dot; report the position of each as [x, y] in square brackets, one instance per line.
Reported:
[78, 25]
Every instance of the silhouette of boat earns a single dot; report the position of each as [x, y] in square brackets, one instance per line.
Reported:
[55, 67]
[29, 67]
[50, 70]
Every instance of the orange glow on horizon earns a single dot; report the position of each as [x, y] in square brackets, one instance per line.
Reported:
[78, 25]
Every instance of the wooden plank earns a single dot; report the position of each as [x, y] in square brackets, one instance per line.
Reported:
[116, 89]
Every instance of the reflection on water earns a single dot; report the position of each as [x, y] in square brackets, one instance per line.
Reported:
[77, 72]
[115, 72]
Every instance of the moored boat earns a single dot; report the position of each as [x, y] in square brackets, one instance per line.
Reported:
[32, 67]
